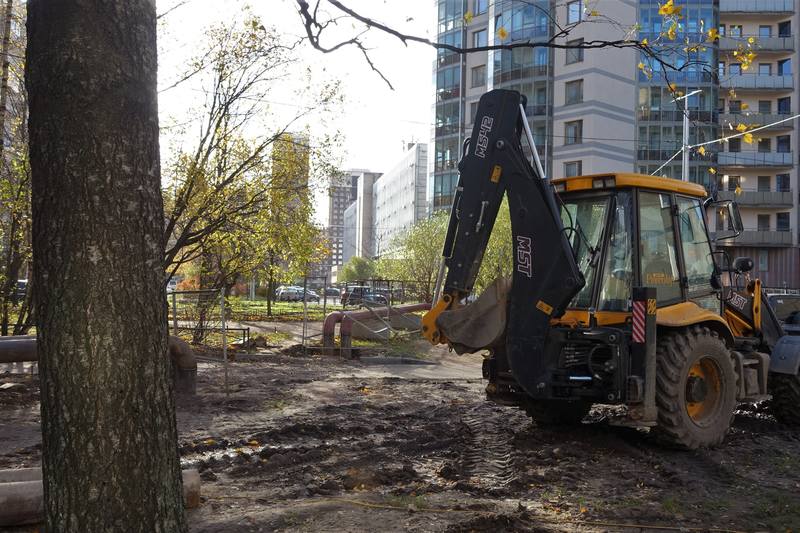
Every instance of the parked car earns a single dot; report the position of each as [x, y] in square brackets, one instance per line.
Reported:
[19, 291]
[289, 294]
[359, 294]
[332, 292]
[172, 284]
[311, 296]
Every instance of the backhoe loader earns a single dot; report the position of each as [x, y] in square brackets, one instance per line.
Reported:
[617, 295]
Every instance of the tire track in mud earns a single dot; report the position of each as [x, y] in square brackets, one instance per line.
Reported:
[489, 456]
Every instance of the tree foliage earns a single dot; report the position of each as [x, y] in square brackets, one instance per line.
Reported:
[358, 269]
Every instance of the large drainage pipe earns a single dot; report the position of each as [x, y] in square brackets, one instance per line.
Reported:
[22, 348]
[22, 495]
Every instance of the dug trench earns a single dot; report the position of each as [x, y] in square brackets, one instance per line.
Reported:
[319, 444]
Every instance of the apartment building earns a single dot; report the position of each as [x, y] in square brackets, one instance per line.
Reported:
[342, 191]
[762, 176]
[594, 111]
[359, 219]
[399, 197]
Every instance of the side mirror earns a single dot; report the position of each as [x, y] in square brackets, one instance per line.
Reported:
[728, 210]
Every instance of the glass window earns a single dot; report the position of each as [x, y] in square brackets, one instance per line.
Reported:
[785, 105]
[765, 69]
[733, 182]
[583, 221]
[764, 145]
[721, 68]
[765, 106]
[479, 76]
[480, 38]
[574, 92]
[735, 145]
[782, 182]
[573, 168]
[574, 55]
[764, 183]
[783, 145]
[659, 262]
[574, 12]
[765, 31]
[618, 271]
[573, 132]
[735, 106]
[763, 261]
[785, 29]
[721, 29]
[785, 67]
[735, 30]
[763, 222]
[696, 249]
[473, 110]
[735, 69]
[481, 6]
[782, 221]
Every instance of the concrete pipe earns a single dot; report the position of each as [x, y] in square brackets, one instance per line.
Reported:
[22, 348]
[22, 495]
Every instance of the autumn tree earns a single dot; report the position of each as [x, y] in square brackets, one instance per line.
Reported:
[109, 440]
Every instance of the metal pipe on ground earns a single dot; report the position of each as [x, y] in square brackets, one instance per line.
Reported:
[22, 495]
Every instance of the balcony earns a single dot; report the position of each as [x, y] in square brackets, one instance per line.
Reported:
[756, 6]
[672, 115]
[756, 198]
[758, 119]
[756, 237]
[755, 159]
[759, 81]
[765, 44]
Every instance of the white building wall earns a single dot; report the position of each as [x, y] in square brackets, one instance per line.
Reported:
[400, 197]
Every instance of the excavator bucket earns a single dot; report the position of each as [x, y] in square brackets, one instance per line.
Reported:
[481, 324]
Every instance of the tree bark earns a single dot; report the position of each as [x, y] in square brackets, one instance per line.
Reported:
[109, 455]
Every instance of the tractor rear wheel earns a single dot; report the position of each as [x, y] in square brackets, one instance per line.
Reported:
[556, 412]
[695, 388]
[785, 403]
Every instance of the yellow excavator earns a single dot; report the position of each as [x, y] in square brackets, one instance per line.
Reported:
[617, 295]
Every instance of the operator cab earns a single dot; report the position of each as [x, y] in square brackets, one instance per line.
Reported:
[630, 230]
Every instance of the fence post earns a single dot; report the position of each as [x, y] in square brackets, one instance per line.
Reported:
[224, 338]
[305, 310]
[174, 314]
[325, 295]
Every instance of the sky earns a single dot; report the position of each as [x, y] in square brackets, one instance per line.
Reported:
[375, 121]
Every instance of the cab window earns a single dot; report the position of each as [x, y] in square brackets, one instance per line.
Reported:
[615, 293]
[657, 255]
[696, 249]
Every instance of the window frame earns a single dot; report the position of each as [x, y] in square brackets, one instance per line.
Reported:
[579, 133]
[571, 84]
[483, 80]
[572, 4]
[574, 52]
[579, 166]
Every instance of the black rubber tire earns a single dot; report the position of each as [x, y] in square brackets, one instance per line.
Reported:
[556, 412]
[785, 403]
[676, 353]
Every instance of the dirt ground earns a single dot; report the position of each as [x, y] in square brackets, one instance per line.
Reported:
[320, 444]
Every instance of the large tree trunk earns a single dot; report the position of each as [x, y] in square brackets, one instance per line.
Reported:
[109, 453]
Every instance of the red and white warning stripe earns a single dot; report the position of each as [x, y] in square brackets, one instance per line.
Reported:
[638, 322]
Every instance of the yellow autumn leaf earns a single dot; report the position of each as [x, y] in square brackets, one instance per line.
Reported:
[468, 16]
[751, 40]
[672, 32]
[253, 443]
[209, 442]
[640, 65]
[502, 33]
[672, 87]
[732, 93]
[644, 42]
[741, 128]
[669, 8]
[713, 35]
[745, 106]
[701, 150]
[594, 13]
[712, 170]
[748, 138]
[738, 190]
[735, 53]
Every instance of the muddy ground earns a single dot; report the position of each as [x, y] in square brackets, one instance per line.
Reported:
[319, 444]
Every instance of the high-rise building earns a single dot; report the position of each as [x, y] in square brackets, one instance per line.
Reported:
[596, 110]
[762, 176]
[358, 219]
[399, 197]
[342, 192]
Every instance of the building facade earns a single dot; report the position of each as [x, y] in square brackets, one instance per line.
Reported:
[596, 110]
[359, 219]
[342, 191]
[399, 197]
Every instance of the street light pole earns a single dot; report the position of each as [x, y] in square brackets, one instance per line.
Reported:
[685, 141]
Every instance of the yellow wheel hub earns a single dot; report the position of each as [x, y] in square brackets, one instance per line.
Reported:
[703, 390]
